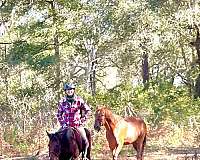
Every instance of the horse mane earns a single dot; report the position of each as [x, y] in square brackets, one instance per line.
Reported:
[54, 137]
[71, 137]
[110, 115]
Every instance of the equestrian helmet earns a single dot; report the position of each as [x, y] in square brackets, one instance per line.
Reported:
[68, 86]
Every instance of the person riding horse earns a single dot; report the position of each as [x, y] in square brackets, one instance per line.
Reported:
[70, 112]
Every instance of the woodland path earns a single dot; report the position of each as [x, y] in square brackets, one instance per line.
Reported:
[165, 154]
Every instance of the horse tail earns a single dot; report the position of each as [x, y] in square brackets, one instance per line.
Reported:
[145, 139]
[144, 133]
[144, 136]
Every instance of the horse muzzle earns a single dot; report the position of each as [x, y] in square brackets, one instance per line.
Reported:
[97, 128]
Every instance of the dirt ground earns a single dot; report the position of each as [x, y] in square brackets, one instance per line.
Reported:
[170, 154]
[147, 156]
[153, 151]
[165, 154]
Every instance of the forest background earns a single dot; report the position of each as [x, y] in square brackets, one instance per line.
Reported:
[140, 56]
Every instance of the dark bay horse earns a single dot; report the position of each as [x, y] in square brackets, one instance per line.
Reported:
[68, 144]
[121, 131]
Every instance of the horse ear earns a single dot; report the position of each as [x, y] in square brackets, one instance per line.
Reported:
[48, 134]
[99, 107]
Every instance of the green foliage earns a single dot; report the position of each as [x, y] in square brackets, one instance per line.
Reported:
[160, 103]
[72, 5]
[28, 91]
[29, 53]
[10, 135]
[120, 32]
[23, 147]
[42, 62]
[6, 9]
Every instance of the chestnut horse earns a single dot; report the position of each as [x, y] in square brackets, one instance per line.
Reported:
[121, 131]
[68, 144]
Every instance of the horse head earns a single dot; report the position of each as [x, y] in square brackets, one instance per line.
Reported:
[100, 118]
[54, 146]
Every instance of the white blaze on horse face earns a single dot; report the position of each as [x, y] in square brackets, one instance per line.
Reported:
[98, 112]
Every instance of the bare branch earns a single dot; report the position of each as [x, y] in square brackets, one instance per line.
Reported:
[114, 63]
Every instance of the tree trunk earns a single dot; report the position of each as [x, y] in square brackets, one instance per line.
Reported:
[6, 77]
[57, 70]
[57, 51]
[5, 70]
[197, 87]
[196, 44]
[91, 72]
[145, 70]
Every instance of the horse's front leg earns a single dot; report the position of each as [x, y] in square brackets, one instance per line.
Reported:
[113, 148]
[117, 150]
[113, 153]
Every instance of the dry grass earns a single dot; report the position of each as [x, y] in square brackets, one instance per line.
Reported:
[168, 142]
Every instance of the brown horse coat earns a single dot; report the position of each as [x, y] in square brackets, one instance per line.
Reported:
[121, 131]
[67, 144]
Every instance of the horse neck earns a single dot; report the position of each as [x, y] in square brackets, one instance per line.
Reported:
[68, 135]
[111, 120]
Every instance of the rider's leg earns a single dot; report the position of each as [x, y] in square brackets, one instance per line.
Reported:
[83, 134]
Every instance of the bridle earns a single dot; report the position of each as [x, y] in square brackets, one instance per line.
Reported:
[53, 153]
[100, 119]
